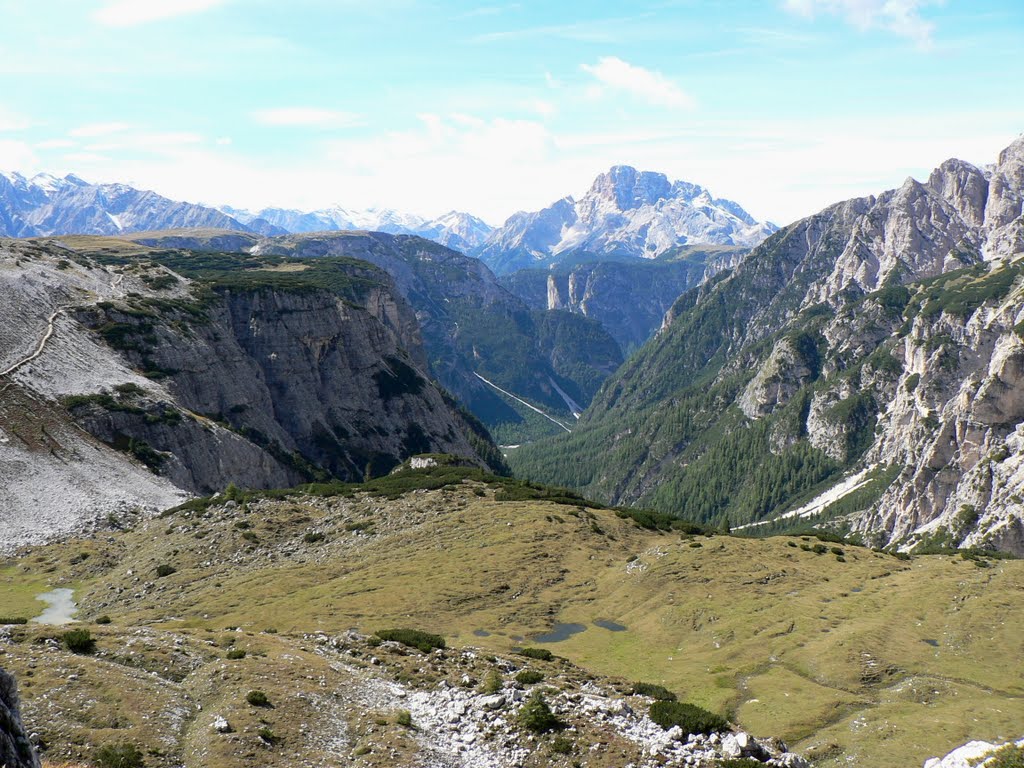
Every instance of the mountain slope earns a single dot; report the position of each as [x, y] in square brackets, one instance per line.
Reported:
[471, 325]
[625, 213]
[125, 383]
[45, 205]
[880, 335]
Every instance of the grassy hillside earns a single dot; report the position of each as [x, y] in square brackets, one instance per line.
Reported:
[837, 653]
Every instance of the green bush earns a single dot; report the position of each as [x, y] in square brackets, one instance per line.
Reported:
[268, 736]
[104, 619]
[541, 654]
[313, 537]
[79, 641]
[122, 755]
[165, 570]
[689, 717]
[659, 692]
[235, 653]
[493, 683]
[404, 718]
[529, 677]
[536, 715]
[13, 620]
[257, 699]
[1010, 756]
[562, 746]
[740, 762]
[413, 638]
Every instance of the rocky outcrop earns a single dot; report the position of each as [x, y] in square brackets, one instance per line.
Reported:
[628, 297]
[974, 754]
[15, 748]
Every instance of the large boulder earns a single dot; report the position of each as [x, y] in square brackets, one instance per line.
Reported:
[15, 749]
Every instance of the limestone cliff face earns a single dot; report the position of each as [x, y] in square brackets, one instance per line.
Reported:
[15, 749]
[628, 297]
[882, 335]
[124, 385]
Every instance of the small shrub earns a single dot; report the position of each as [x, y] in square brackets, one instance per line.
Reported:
[659, 692]
[257, 699]
[13, 620]
[837, 551]
[122, 755]
[104, 619]
[268, 736]
[363, 750]
[493, 683]
[79, 641]
[791, 544]
[695, 545]
[313, 537]
[562, 746]
[541, 654]
[689, 717]
[250, 536]
[413, 638]
[235, 653]
[165, 570]
[404, 718]
[1010, 756]
[536, 715]
[739, 762]
[529, 677]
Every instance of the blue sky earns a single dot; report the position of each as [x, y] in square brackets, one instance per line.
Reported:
[782, 105]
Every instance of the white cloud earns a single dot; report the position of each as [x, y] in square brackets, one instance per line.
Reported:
[16, 155]
[901, 17]
[307, 117]
[130, 13]
[646, 84]
[93, 130]
[9, 121]
[55, 144]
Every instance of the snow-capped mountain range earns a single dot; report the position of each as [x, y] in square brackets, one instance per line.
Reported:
[454, 229]
[47, 205]
[625, 213]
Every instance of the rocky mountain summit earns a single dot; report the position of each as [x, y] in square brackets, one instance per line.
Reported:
[876, 344]
[626, 213]
[15, 748]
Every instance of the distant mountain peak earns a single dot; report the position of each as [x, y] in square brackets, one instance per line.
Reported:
[625, 212]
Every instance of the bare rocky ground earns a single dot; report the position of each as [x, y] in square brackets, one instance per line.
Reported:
[336, 700]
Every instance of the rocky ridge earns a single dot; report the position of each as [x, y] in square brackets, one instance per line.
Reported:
[45, 205]
[625, 213]
[881, 333]
[121, 368]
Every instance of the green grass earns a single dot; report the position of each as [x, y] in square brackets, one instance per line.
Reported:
[731, 627]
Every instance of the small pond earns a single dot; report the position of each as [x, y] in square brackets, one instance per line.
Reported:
[60, 609]
[611, 626]
[559, 633]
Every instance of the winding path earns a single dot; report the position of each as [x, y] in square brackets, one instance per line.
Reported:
[50, 323]
[40, 347]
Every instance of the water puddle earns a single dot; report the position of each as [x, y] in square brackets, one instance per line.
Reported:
[857, 589]
[481, 633]
[932, 643]
[611, 626]
[559, 633]
[60, 609]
